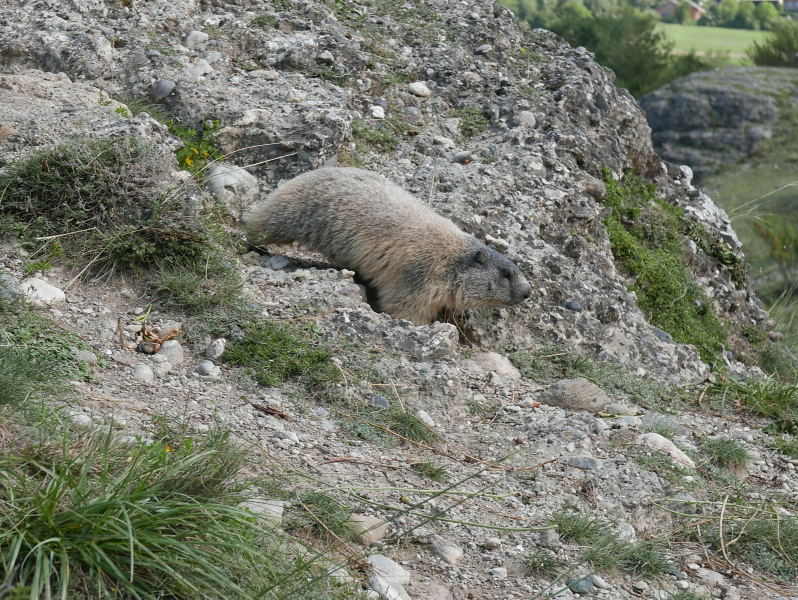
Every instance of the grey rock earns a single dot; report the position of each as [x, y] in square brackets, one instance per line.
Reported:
[40, 293]
[277, 262]
[419, 88]
[576, 394]
[574, 305]
[663, 444]
[484, 49]
[162, 88]
[448, 551]
[234, 187]
[86, 356]
[388, 569]
[216, 348]
[269, 509]
[172, 351]
[580, 586]
[498, 573]
[143, 373]
[379, 401]
[550, 539]
[655, 420]
[368, 528]
[207, 368]
[195, 39]
[584, 462]
[492, 543]
[464, 157]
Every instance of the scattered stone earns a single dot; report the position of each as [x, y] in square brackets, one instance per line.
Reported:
[419, 88]
[162, 88]
[498, 573]
[172, 351]
[492, 543]
[194, 39]
[600, 583]
[652, 420]
[80, 420]
[574, 305]
[388, 569]
[527, 119]
[663, 444]
[378, 401]
[277, 262]
[576, 394]
[451, 553]
[271, 510]
[40, 293]
[86, 356]
[368, 529]
[484, 49]
[143, 373]
[425, 418]
[377, 112]
[209, 369]
[235, 187]
[464, 157]
[493, 362]
[584, 462]
[550, 539]
[216, 349]
[580, 586]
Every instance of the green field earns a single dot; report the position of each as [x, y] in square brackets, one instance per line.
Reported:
[712, 39]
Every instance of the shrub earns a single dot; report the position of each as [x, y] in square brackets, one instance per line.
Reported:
[779, 49]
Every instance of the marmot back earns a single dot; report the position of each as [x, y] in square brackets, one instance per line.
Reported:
[419, 264]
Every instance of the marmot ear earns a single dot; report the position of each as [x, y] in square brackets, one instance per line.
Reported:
[479, 257]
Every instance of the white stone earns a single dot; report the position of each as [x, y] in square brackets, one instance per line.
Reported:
[663, 444]
[271, 510]
[493, 362]
[377, 112]
[425, 418]
[233, 186]
[388, 569]
[144, 373]
[172, 351]
[195, 39]
[216, 349]
[419, 88]
[40, 293]
[448, 551]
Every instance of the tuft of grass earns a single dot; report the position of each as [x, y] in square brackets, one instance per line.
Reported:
[198, 288]
[323, 516]
[385, 138]
[767, 397]
[551, 363]
[276, 353]
[409, 426]
[432, 471]
[580, 528]
[102, 203]
[542, 563]
[685, 595]
[472, 121]
[90, 517]
[648, 240]
[265, 21]
[726, 453]
[787, 445]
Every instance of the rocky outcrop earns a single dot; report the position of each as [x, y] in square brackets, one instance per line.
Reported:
[505, 132]
[713, 119]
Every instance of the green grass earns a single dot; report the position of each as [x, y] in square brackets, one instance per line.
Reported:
[322, 515]
[767, 397]
[726, 453]
[542, 563]
[552, 363]
[735, 42]
[277, 353]
[649, 238]
[472, 121]
[787, 445]
[432, 471]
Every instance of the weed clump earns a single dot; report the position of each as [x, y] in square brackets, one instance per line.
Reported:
[726, 453]
[768, 397]
[647, 237]
[276, 353]
[472, 121]
[384, 139]
[101, 202]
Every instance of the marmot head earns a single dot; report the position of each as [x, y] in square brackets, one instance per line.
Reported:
[487, 278]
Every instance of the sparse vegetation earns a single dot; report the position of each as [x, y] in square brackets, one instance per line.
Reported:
[779, 49]
[102, 203]
[542, 563]
[385, 138]
[726, 453]
[787, 445]
[648, 241]
[322, 515]
[277, 353]
[472, 121]
[432, 471]
[768, 397]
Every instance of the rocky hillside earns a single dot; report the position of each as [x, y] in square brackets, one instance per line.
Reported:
[600, 439]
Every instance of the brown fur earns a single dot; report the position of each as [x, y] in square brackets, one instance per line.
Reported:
[419, 263]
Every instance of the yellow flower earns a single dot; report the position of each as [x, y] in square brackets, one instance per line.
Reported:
[189, 162]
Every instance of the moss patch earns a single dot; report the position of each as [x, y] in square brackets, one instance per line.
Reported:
[648, 241]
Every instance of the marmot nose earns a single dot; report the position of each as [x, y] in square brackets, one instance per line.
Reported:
[527, 293]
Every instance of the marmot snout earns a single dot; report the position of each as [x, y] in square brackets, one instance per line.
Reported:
[420, 264]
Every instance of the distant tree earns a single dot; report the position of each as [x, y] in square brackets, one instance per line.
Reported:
[767, 15]
[780, 47]
[745, 17]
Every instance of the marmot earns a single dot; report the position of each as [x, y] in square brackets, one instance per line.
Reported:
[419, 264]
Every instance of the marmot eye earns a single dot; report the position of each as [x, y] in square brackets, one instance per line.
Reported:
[506, 273]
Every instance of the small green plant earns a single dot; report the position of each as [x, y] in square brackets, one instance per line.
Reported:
[265, 21]
[386, 138]
[787, 445]
[275, 353]
[323, 515]
[542, 563]
[579, 527]
[198, 288]
[198, 147]
[409, 426]
[472, 121]
[685, 595]
[432, 471]
[726, 453]
[780, 48]
[648, 241]
[122, 110]
[767, 397]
